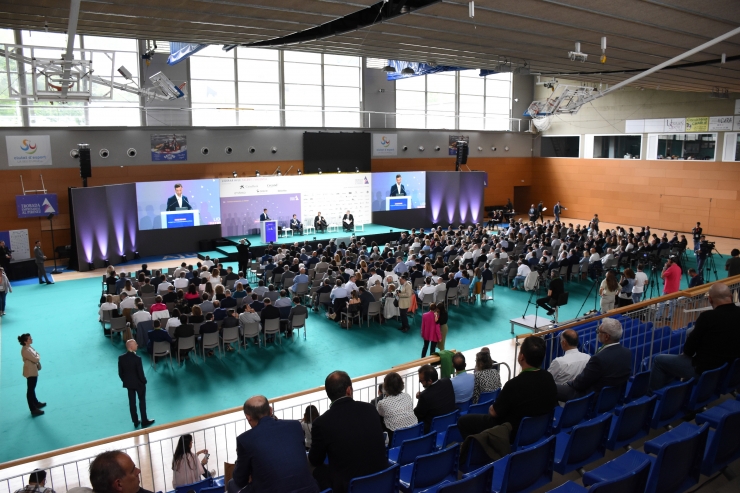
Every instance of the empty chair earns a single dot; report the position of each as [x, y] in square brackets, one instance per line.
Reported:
[212, 489]
[410, 449]
[487, 287]
[574, 411]
[427, 301]
[229, 336]
[631, 422]
[196, 487]
[185, 344]
[634, 480]
[299, 322]
[532, 430]
[402, 434]
[723, 443]
[272, 327]
[452, 297]
[429, 470]
[385, 480]
[607, 401]
[731, 382]
[117, 324]
[480, 408]
[675, 467]
[671, 400]
[160, 348]
[584, 444]
[440, 425]
[106, 317]
[478, 481]
[706, 389]
[451, 437]
[209, 341]
[637, 386]
[475, 458]
[488, 396]
[464, 406]
[374, 309]
[524, 470]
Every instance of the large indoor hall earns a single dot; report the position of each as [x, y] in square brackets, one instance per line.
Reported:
[369, 246]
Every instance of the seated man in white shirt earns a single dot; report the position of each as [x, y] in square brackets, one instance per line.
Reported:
[208, 263]
[181, 282]
[141, 315]
[182, 269]
[163, 285]
[427, 288]
[351, 285]
[571, 364]
[108, 305]
[595, 257]
[390, 278]
[374, 277]
[440, 291]
[609, 255]
[521, 274]
[204, 274]
[127, 302]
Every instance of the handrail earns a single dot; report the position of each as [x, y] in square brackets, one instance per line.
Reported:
[202, 417]
[689, 292]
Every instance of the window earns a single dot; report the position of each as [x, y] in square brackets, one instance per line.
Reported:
[212, 87]
[303, 89]
[472, 100]
[258, 73]
[10, 111]
[560, 146]
[686, 146]
[342, 91]
[731, 150]
[411, 102]
[613, 146]
[498, 101]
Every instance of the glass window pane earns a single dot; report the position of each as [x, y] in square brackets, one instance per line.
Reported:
[260, 116]
[472, 85]
[350, 61]
[497, 122]
[302, 95]
[7, 36]
[39, 38]
[440, 121]
[214, 51]
[441, 83]
[500, 88]
[100, 115]
[407, 120]
[342, 96]
[302, 73]
[341, 118]
[258, 70]
[341, 76]
[437, 102]
[210, 91]
[47, 115]
[410, 100]
[411, 84]
[471, 122]
[302, 117]
[497, 106]
[301, 56]
[471, 104]
[256, 53]
[251, 93]
[111, 44]
[210, 116]
[211, 68]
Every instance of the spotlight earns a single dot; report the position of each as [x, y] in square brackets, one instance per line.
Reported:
[300, 172]
[234, 174]
[357, 170]
[436, 148]
[421, 148]
[280, 173]
[136, 255]
[408, 71]
[123, 258]
[257, 173]
[405, 148]
[339, 170]
[106, 262]
[319, 173]
[90, 266]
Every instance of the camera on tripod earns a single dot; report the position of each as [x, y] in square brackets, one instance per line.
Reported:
[706, 247]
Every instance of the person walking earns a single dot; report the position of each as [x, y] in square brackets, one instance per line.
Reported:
[5, 288]
[40, 257]
[131, 373]
[31, 367]
[430, 329]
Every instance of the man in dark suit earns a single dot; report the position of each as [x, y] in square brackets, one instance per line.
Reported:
[178, 201]
[269, 312]
[243, 254]
[397, 189]
[350, 434]
[319, 223]
[131, 373]
[271, 455]
[437, 398]
[348, 222]
[296, 225]
[264, 216]
[611, 365]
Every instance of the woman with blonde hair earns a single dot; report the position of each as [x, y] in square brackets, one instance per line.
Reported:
[608, 290]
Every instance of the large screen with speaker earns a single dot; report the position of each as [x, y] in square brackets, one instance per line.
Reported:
[399, 191]
[178, 203]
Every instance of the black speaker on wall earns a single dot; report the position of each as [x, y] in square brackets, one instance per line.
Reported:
[85, 164]
[462, 154]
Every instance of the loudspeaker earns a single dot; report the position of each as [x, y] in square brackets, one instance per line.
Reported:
[85, 164]
[462, 153]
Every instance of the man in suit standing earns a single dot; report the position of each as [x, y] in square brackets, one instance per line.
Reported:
[348, 222]
[437, 398]
[264, 216]
[178, 201]
[40, 257]
[397, 189]
[271, 455]
[350, 434]
[611, 365]
[319, 223]
[131, 373]
[243, 254]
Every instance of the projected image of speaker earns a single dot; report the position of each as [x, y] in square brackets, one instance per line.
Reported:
[85, 163]
[462, 154]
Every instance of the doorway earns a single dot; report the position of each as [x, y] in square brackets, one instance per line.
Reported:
[522, 200]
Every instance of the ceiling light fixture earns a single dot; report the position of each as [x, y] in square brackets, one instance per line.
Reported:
[408, 71]
[389, 68]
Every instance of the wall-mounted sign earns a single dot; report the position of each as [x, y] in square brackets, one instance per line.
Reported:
[28, 150]
[385, 144]
[36, 205]
[720, 123]
[697, 124]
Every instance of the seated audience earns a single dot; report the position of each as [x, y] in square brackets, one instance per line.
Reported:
[463, 382]
[487, 378]
[157, 334]
[568, 366]
[115, 472]
[396, 407]
[36, 483]
[437, 398]
[186, 468]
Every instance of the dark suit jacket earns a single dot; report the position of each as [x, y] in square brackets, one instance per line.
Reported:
[612, 366]
[269, 312]
[172, 203]
[394, 190]
[351, 435]
[319, 222]
[131, 371]
[435, 400]
[273, 454]
[264, 217]
[208, 327]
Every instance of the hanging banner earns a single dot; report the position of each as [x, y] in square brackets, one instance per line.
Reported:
[385, 144]
[720, 123]
[28, 150]
[36, 205]
[169, 147]
[697, 124]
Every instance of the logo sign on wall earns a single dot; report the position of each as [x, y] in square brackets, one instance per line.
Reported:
[385, 144]
[719, 123]
[675, 124]
[28, 150]
[697, 124]
[169, 147]
[36, 205]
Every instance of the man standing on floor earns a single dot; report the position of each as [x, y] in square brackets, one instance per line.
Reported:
[131, 373]
[40, 257]
[404, 292]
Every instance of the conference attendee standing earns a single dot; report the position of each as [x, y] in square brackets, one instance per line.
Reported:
[348, 222]
[264, 216]
[404, 293]
[557, 210]
[40, 257]
[430, 331]
[178, 201]
[131, 373]
[31, 367]
[5, 288]
[244, 255]
[397, 189]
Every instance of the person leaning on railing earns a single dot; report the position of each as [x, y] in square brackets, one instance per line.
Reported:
[36, 483]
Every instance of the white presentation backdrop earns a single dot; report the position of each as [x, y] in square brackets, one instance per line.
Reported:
[243, 199]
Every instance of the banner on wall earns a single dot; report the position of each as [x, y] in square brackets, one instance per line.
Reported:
[452, 148]
[385, 144]
[169, 147]
[720, 123]
[675, 124]
[28, 150]
[697, 124]
[736, 125]
[36, 205]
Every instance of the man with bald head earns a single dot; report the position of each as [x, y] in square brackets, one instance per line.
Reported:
[571, 363]
[131, 373]
[271, 456]
[714, 341]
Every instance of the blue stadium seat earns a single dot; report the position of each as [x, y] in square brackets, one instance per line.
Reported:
[532, 430]
[583, 445]
[525, 470]
[440, 425]
[213, 489]
[385, 481]
[731, 382]
[478, 481]
[488, 396]
[607, 401]
[480, 408]
[402, 434]
[572, 413]
[464, 406]
[676, 466]
[706, 389]
[429, 470]
[638, 386]
[451, 437]
[196, 487]
[671, 400]
[631, 481]
[475, 458]
[411, 449]
[631, 422]
[723, 442]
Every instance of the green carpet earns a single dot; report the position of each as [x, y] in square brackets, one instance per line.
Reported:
[79, 380]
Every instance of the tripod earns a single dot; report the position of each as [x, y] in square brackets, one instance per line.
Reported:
[540, 281]
[596, 280]
[653, 282]
[711, 267]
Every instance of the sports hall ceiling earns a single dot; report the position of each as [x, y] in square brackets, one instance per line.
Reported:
[640, 33]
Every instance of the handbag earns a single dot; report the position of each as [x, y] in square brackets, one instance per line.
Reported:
[395, 302]
[38, 366]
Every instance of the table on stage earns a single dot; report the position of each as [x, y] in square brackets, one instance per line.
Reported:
[532, 322]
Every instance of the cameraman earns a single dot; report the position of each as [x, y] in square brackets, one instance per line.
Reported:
[696, 233]
[732, 266]
[556, 288]
[705, 249]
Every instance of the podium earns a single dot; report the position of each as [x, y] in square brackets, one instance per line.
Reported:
[180, 219]
[398, 203]
[269, 231]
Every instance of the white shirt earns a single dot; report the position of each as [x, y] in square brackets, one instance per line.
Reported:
[140, 316]
[607, 258]
[523, 270]
[568, 366]
[179, 200]
[373, 279]
[181, 283]
[208, 263]
[178, 271]
[427, 289]
[129, 302]
[640, 279]
[595, 257]
[205, 275]
[163, 287]
[350, 286]
[107, 306]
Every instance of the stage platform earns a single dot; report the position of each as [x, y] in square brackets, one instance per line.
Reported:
[225, 248]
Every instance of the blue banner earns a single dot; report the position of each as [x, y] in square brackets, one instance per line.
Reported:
[183, 220]
[270, 231]
[418, 68]
[180, 51]
[36, 205]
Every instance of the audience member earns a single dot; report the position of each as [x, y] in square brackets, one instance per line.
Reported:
[437, 398]
[487, 378]
[568, 366]
[396, 407]
[115, 472]
[186, 468]
[36, 483]
[463, 382]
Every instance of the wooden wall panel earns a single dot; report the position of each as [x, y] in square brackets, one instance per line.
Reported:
[664, 194]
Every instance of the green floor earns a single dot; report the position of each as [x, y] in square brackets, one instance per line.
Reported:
[79, 379]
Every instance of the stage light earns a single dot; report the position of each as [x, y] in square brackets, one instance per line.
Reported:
[123, 258]
[106, 262]
[357, 170]
[234, 174]
[339, 170]
[136, 255]
[319, 170]
[300, 172]
[256, 173]
[408, 71]
[90, 266]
